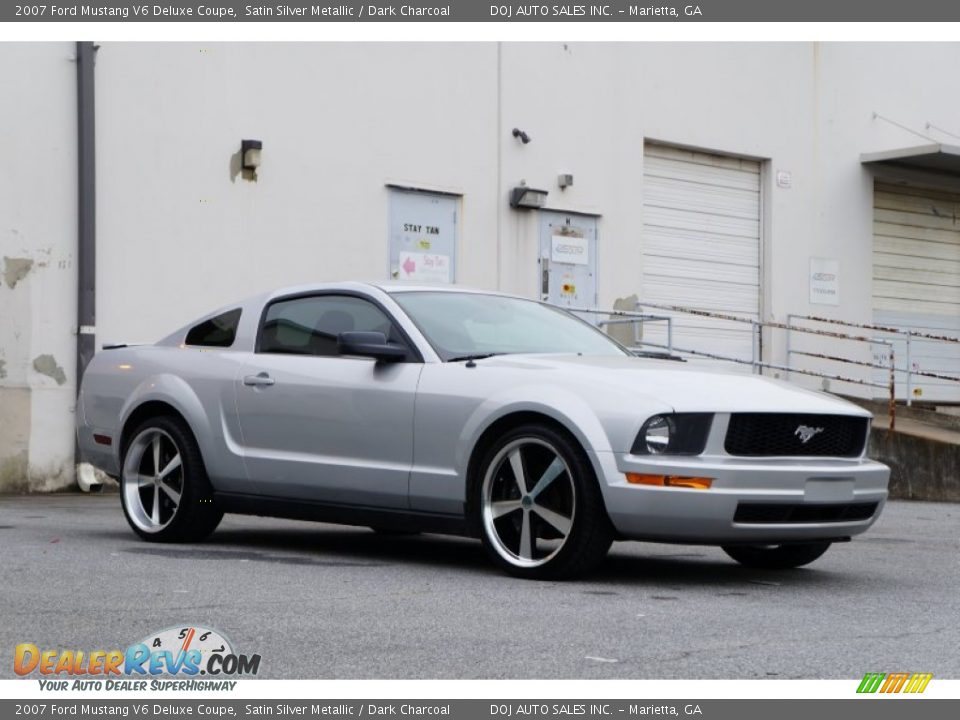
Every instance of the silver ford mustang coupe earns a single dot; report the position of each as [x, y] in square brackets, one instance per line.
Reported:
[413, 409]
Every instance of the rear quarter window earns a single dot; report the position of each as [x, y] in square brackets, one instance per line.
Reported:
[219, 331]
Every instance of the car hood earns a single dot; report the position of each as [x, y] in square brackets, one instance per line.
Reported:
[684, 387]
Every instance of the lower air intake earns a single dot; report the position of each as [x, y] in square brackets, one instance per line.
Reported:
[782, 513]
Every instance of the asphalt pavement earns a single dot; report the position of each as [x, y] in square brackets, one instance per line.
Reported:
[323, 601]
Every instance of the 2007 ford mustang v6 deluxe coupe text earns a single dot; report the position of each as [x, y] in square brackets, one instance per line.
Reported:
[447, 410]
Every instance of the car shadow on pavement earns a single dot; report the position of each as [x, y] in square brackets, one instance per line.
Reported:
[322, 547]
[710, 571]
[630, 565]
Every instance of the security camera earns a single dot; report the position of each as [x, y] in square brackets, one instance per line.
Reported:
[518, 133]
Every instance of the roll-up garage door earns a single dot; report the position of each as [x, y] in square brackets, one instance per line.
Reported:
[701, 246]
[916, 281]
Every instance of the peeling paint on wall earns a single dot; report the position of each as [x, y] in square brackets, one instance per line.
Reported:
[3, 369]
[47, 365]
[15, 270]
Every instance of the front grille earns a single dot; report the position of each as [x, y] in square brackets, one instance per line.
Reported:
[760, 513]
[767, 434]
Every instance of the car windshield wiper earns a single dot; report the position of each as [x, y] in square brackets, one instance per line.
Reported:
[478, 356]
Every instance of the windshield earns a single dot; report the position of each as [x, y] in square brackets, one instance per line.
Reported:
[462, 325]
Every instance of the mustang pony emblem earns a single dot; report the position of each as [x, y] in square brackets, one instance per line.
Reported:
[806, 433]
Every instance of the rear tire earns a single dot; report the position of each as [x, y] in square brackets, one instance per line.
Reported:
[164, 488]
[776, 557]
[540, 512]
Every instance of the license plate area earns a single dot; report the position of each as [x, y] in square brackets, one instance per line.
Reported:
[828, 490]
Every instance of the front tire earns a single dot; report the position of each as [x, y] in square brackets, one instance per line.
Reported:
[164, 488]
[541, 515]
[776, 557]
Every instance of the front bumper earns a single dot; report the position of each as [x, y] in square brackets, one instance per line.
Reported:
[805, 488]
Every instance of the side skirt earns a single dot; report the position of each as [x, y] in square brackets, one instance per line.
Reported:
[265, 506]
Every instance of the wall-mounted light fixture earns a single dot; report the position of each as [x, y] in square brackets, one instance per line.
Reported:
[250, 154]
[527, 198]
[564, 181]
[524, 138]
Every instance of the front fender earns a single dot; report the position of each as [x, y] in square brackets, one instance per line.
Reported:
[593, 427]
[456, 405]
[566, 408]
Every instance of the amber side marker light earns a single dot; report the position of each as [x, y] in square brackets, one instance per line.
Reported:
[695, 483]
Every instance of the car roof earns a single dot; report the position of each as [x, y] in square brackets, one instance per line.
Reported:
[389, 287]
[259, 300]
[401, 287]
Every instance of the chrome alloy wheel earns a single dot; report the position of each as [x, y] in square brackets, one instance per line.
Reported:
[528, 502]
[152, 480]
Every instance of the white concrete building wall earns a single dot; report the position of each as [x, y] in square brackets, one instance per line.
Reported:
[181, 231]
[38, 283]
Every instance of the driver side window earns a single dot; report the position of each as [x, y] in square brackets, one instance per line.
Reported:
[310, 325]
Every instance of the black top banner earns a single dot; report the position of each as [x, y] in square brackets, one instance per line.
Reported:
[485, 11]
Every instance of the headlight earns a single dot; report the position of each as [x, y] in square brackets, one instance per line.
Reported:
[655, 434]
[674, 434]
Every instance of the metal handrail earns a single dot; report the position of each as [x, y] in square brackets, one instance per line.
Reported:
[907, 334]
[638, 317]
[639, 320]
[772, 366]
[879, 328]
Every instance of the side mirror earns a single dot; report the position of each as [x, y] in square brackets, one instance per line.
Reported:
[369, 344]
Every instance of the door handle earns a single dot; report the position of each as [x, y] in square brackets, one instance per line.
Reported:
[258, 380]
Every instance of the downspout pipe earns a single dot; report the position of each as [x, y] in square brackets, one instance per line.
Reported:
[86, 232]
[86, 209]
